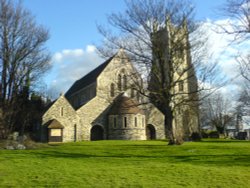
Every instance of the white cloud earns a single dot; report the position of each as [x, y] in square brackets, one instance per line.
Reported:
[91, 48]
[70, 65]
[222, 47]
[57, 57]
[224, 51]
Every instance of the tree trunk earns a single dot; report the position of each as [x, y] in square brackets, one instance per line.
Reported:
[173, 134]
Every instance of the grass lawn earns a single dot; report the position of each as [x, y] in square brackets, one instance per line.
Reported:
[210, 163]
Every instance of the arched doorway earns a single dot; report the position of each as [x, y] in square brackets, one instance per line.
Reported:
[150, 132]
[96, 133]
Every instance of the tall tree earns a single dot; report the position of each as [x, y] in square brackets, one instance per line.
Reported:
[239, 25]
[159, 37]
[217, 112]
[244, 64]
[24, 59]
[238, 11]
[243, 108]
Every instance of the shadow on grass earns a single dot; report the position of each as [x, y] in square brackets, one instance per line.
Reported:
[217, 160]
[197, 154]
[225, 141]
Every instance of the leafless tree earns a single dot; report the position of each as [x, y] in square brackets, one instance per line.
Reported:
[243, 107]
[164, 43]
[217, 112]
[238, 12]
[244, 64]
[24, 59]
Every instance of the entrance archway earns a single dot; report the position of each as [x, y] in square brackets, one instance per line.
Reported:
[96, 133]
[150, 132]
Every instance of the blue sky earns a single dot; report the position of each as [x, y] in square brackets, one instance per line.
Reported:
[73, 32]
[72, 23]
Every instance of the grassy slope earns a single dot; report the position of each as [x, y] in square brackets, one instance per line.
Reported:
[128, 164]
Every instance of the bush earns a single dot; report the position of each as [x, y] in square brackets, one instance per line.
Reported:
[242, 135]
[204, 134]
[196, 136]
[214, 134]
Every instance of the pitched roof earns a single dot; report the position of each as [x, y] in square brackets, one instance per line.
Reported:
[87, 79]
[125, 105]
[54, 124]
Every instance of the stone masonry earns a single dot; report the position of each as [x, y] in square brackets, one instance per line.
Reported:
[85, 108]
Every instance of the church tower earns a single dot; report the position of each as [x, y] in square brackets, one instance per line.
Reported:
[172, 81]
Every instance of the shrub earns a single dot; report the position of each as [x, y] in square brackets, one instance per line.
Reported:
[214, 134]
[204, 134]
[196, 136]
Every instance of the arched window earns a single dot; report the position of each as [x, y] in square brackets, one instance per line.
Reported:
[125, 121]
[132, 93]
[119, 85]
[135, 121]
[112, 90]
[181, 85]
[114, 122]
[122, 61]
[138, 96]
[75, 133]
[61, 111]
[124, 82]
[142, 121]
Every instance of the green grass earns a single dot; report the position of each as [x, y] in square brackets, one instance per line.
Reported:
[211, 163]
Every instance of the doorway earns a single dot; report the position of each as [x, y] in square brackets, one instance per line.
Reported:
[150, 132]
[96, 133]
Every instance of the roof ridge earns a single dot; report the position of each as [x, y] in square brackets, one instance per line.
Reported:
[107, 61]
[88, 79]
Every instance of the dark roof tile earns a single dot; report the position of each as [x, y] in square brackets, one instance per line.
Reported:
[87, 79]
[125, 105]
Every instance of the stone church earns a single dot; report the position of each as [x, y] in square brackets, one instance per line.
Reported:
[103, 105]
[106, 103]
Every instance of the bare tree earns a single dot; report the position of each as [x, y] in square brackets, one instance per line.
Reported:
[244, 64]
[218, 112]
[24, 59]
[239, 25]
[238, 11]
[243, 108]
[159, 37]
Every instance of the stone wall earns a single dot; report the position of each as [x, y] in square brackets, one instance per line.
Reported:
[95, 110]
[63, 112]
[130, 130]
[118, 65]
[127, 134]
[93, 113]
[156, 118]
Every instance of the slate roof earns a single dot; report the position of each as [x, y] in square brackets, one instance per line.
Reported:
[54, 124]
[125, 105]
[87, 79]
